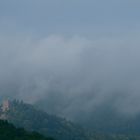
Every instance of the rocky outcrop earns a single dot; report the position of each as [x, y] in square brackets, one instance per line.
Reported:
[3, 109]
[5, 106]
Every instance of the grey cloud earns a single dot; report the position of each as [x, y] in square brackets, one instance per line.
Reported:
[71, 76]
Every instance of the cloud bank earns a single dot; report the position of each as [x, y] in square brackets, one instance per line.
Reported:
[72, 76]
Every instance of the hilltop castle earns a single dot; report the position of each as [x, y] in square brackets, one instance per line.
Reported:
[5, 105]
[3, 109]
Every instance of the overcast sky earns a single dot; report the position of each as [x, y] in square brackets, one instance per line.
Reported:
[81, 17]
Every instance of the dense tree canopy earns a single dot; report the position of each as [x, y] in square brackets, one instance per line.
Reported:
[9, 132]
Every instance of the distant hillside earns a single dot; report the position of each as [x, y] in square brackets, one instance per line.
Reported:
[9, 132]
[30, 118]
[108, 121]
[25, 115]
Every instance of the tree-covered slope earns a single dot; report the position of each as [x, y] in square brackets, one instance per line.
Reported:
[9, 132]
[30, 118]
[25, 115]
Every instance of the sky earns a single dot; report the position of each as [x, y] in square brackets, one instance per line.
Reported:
[70, 17]
[71, 56]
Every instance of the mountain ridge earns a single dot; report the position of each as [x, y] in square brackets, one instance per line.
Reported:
[27, 116]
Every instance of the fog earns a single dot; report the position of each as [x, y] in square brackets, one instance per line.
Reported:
[70, 76]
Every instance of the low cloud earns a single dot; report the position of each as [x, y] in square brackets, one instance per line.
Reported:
[71, 76]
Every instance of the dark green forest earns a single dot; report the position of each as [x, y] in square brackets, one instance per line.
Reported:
[9, 132]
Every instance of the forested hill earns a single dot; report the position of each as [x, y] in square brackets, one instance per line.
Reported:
[9, 132]
[32, 119]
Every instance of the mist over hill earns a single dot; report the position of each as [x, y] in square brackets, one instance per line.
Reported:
[32, 119]
[72, 76]
[71, 58]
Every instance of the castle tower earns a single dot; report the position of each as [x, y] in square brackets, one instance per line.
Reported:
[5, 105]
